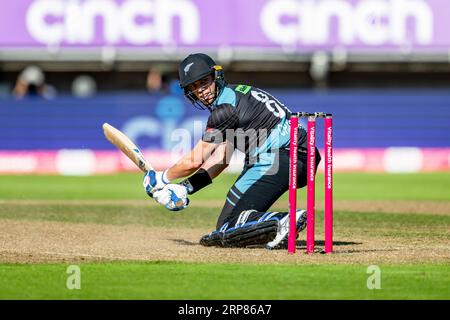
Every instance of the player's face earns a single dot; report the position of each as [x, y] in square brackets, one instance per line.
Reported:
[204, 89]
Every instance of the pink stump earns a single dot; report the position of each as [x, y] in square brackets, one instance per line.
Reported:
[293, 168]
[311, 164]
[328, 184]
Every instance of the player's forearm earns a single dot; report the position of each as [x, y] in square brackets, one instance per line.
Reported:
[192, 161]
[202, 177]
[219, 160]
[215, 170]
[182, 169]
[210, 169]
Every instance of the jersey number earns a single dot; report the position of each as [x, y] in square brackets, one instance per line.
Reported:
[271, 105]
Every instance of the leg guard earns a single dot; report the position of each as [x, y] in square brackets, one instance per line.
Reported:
[256, 232]
[252, 233]
[262, 229]
[214, 239]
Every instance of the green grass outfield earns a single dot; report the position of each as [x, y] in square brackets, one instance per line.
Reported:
[177, 280]
[347, 186]
[167, 280]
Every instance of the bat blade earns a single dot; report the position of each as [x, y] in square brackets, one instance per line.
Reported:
[121, 141]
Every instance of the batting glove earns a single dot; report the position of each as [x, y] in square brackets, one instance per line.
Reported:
[154, 180]
[173, 197]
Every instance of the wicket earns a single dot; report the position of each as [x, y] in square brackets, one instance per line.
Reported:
[311, 181]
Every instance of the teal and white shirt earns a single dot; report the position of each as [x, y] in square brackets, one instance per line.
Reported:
[254, 121]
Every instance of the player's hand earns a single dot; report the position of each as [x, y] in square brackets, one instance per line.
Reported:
[153, 181]
[172, 196]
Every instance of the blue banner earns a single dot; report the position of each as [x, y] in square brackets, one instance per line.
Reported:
[362, 119]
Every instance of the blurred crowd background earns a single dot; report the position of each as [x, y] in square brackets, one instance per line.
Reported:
[66, 66]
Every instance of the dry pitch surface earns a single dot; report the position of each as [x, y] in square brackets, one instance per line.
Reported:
[27, 241]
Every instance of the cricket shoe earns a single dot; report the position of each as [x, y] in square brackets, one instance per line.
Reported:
[281, 238]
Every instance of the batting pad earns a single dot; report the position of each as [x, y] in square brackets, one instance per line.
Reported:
[256, 234]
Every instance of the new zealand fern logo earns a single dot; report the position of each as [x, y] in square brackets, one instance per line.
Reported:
[186, 69]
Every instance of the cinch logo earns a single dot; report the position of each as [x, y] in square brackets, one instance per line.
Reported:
[136, 22]
[369, 22]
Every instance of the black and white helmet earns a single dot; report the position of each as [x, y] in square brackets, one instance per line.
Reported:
[195, 67]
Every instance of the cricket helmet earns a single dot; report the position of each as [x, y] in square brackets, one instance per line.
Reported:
[195, 67]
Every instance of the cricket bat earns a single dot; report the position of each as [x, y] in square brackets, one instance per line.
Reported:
[121, 141]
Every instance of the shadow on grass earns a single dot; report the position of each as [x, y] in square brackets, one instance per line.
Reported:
[302, 243]
[299, 244]
[185, 242]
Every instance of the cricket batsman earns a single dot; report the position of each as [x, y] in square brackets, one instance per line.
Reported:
[248, 119]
